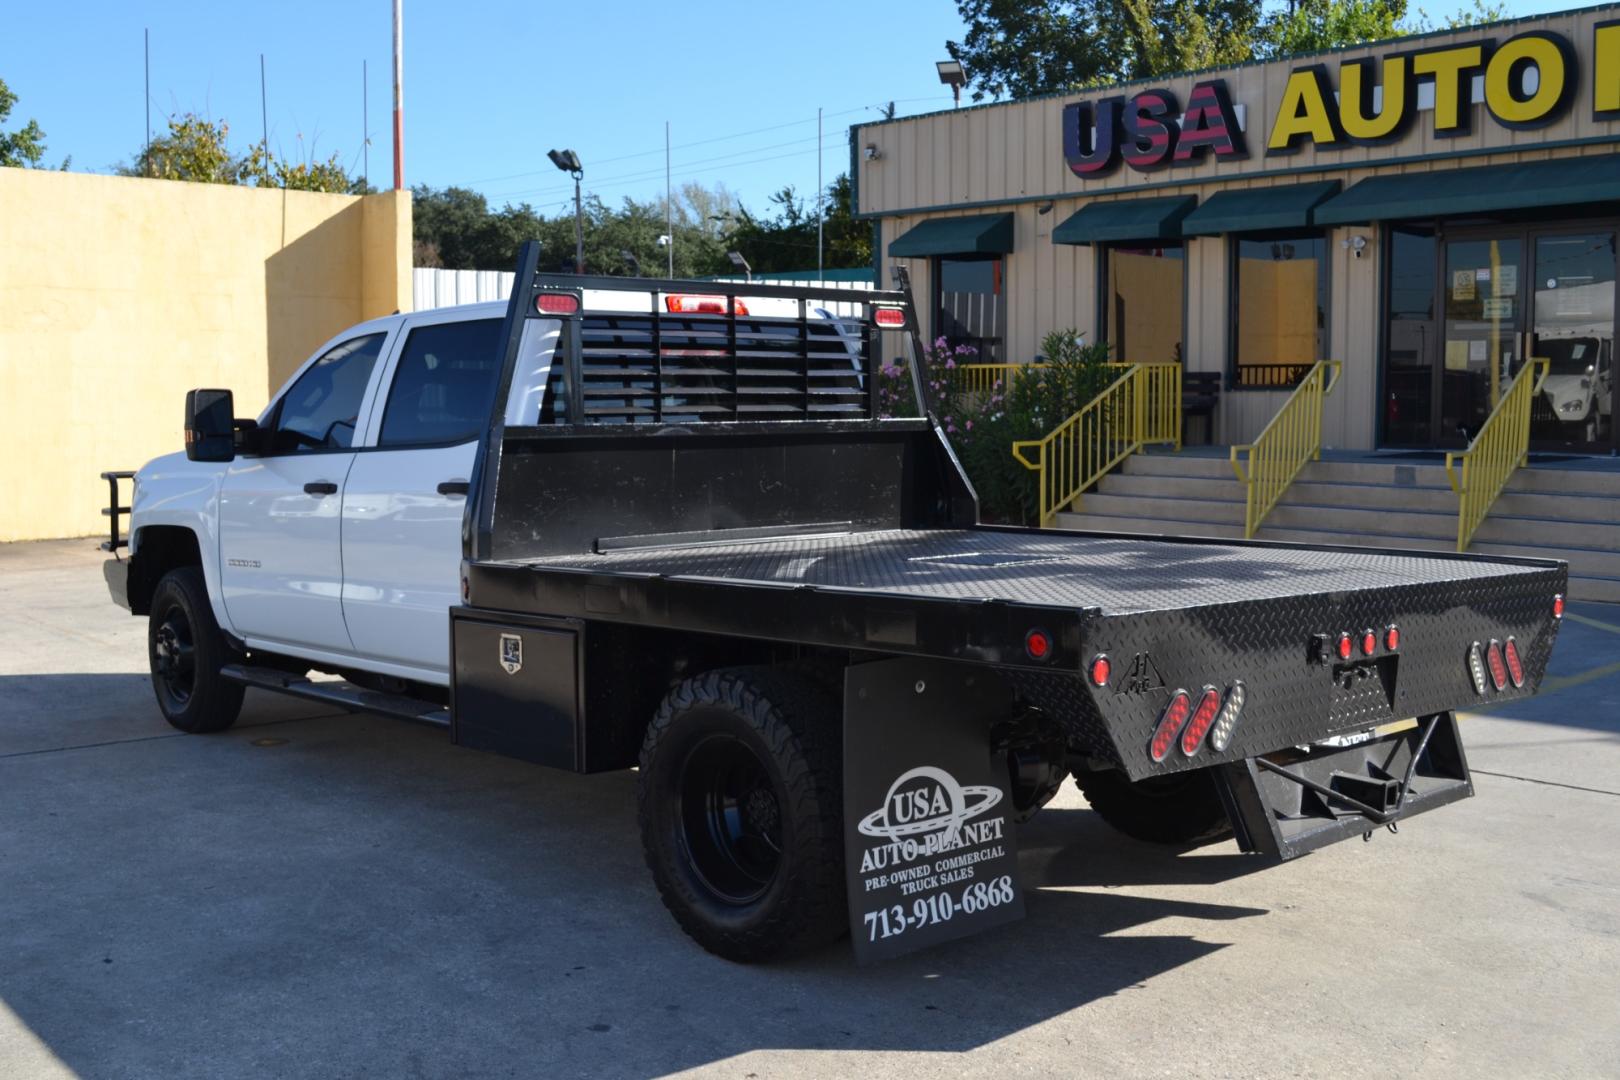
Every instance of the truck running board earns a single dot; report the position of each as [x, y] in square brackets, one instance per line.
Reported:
[342, 694]
[1293, 802]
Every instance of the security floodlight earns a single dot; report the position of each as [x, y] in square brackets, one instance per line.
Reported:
[741, 263]
[953, 75]
[568, 162]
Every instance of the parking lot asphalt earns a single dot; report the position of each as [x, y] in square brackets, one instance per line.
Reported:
[318, 894]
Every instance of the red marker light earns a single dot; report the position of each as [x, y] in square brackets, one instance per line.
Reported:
[1175, 714]
[1558, 606]
[1345, 647]
[1369, 643]
[1038, 644]
[1100, 669]
[684, 304]
[549, 303]
[1493, 660]
[1208, 706]
[1392, 637]
[1515, 665]
[891, 317]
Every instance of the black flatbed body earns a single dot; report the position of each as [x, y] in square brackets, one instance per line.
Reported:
[1169, 612]
[1087, 572]
[856, 537]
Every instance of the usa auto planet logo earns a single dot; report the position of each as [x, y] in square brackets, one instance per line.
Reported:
[927, 813]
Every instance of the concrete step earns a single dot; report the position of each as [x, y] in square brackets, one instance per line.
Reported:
[1600, 590]
[1539, 509]
[1545, 480]
[1228, 511]
[1588, 564]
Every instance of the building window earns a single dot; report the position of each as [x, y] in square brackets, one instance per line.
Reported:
[1280, 285]
[1143, 305]
[971, 305]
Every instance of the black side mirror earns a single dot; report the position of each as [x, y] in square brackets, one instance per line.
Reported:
[210, 426]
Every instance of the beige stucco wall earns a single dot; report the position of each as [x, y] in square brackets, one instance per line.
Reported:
[117, 295]
[1009, 158]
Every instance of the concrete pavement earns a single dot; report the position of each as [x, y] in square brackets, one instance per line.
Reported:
[327, 895]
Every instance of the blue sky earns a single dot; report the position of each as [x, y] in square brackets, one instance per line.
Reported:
[491, 86]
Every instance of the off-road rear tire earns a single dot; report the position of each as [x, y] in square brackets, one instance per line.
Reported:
[186, 649]
[1182, 808]
[741, 807]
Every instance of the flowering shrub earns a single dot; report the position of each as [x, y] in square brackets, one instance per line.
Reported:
[983, 426]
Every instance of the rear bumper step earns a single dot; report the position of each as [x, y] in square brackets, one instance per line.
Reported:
[342, 694]
[1288, 804]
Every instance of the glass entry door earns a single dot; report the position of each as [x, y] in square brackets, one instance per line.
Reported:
[1572, 325]
[1467, 306]
[1484, 323]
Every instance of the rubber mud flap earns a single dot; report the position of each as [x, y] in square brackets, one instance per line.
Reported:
[930, 850]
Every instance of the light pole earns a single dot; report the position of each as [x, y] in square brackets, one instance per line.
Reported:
[568, 162]
[741, 263]
[952, 74]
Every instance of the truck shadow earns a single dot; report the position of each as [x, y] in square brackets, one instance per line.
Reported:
[345, 895]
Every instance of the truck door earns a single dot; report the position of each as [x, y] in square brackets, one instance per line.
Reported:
[279, 523]
[403, 504]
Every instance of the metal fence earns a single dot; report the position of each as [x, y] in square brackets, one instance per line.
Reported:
[436, 288]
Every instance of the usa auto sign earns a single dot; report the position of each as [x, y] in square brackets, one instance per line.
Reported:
[1525, 81]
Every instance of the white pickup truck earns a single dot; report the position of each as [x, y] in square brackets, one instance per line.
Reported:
[335, 538]
[666, 525]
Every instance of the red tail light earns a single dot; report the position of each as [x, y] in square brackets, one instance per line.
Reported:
[1392, 637]
[1038, 644]
[1175, 715]
[559, 303]
[686, 304]
[1558, 606]
[1493, 660]
[891, 317]
[1202, 718]
[1345, 647]
[1100, 670]
[1515, 666]
[1369, 643]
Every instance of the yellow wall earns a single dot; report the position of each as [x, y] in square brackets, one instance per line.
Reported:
[117, 295]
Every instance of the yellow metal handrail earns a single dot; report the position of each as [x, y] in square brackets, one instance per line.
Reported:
[1293, 438]
[982, 378]
[1501, 446]
[1140, 408]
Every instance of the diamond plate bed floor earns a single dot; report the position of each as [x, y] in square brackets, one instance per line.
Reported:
[1118, 575]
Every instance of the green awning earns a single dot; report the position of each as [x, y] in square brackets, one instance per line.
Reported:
[1449, 192]
[990, 234]
[1256, 209]
[1126, 219]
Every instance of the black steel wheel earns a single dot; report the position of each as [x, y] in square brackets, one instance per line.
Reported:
[186, 650]
[741, 812]
[1182, 808]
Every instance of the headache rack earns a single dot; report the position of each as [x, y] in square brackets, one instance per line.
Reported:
[685, 352]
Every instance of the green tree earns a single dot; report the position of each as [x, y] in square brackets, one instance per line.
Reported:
[198, 150]
[1017, 49]
[1315, 25]
[785, 237]
[25, 147]
[1023, 48]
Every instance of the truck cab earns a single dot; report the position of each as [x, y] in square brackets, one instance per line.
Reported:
[334, 535]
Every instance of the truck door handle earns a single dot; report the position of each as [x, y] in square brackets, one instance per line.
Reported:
[320, 487]
[453, 487]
